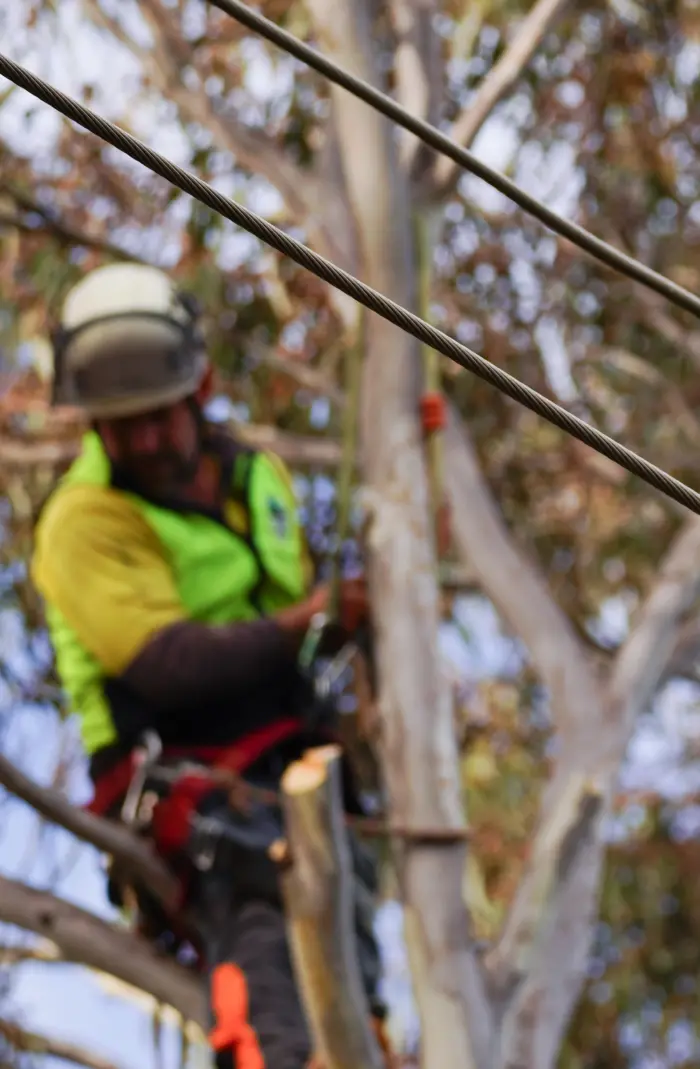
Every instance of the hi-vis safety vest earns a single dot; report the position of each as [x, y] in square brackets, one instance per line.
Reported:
[222, 576]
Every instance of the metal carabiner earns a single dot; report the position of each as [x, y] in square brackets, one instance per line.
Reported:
[145, 756]
[332, 673]
[312, 640]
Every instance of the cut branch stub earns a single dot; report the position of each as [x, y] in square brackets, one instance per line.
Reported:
[319, 900]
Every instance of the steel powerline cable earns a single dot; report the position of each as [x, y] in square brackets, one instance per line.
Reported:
[348, 284]
[438, 141]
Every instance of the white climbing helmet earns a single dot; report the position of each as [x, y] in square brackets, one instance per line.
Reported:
[129, 342]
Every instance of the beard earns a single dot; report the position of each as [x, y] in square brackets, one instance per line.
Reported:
[160, 475]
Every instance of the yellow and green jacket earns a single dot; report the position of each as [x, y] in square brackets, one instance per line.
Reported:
[116, 569]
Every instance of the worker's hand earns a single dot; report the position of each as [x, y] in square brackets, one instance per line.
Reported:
[353, 612]
[353, 609]
[296, 619]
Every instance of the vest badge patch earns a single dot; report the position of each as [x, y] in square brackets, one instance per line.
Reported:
[278, 516]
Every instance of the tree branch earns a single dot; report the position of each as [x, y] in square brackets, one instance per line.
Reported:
[301, 188]
[650, 307]
[34, 1043]
[653, 310]
[638, 368]
[17, 454]
[418, 69]
[684, 661]
[310, 378]
[500, 79]
[65, 233]
[46, 952]
[317, 883]
[297, 450]
[555, 845]
[133, 854]
[515, 585]
[644, 657]
[549, 994]
[84, 939]
[571, 807]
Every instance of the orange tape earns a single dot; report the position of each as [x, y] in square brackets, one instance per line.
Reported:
[433, 412]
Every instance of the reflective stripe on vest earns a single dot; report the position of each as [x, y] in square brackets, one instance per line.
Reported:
[221, 576]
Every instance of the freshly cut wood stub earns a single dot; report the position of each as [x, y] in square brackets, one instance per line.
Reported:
[319, 900]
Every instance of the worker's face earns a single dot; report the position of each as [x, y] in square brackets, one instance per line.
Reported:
[159, 451]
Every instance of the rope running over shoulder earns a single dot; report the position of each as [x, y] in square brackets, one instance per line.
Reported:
[347, 283]
[438, 141]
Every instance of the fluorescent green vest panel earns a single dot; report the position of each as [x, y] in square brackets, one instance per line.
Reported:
[222, 577]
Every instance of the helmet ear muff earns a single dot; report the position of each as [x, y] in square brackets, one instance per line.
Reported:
[59, 343]
[192, 341]
[191, 305]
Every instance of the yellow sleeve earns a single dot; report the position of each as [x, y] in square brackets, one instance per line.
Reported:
[98, 562]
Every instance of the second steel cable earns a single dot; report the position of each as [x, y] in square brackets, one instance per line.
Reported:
[347, 283]
[465, 159]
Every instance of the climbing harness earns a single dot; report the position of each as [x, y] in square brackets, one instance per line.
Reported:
[145, 757]
[112, 786]
[365, 295]
[156, 790]
[161, 802]
[352, 366]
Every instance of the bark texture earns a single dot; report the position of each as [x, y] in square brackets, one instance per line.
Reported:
[319, 898]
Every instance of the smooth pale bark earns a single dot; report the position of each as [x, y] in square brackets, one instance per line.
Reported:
[417, 741]
[317, 883]
[83, 938]
[538, 967]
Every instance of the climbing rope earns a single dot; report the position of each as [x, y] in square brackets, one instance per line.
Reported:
[347, 283]
[313, 640]
[433, 410]
[438, 141]
[353, 360]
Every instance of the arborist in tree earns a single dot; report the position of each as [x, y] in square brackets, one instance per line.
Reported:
[178, 594]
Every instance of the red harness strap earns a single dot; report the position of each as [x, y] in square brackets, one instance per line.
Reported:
[171, 816]
[170, 821]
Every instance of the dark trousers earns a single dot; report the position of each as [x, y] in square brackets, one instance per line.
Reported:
[258, 1021]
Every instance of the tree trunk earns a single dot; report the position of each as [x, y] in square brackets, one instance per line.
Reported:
[420, 761]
